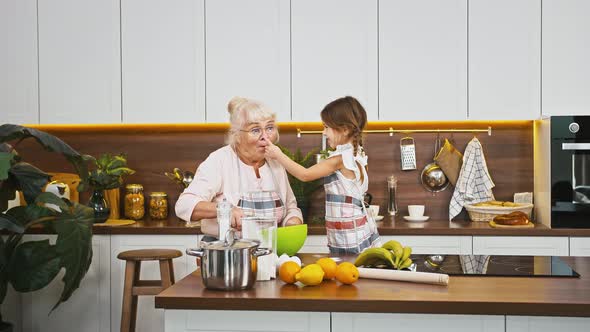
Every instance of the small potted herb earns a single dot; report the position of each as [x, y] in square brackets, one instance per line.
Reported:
[106, 179]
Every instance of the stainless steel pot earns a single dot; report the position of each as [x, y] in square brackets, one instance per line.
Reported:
[229, 266]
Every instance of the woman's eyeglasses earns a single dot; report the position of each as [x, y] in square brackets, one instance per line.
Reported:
[256, 132]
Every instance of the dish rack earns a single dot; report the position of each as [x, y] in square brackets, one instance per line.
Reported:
[487, 213]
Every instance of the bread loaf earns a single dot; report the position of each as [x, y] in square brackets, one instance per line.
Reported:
[514, 218]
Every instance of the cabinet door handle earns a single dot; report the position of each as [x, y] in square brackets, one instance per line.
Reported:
[575, 146]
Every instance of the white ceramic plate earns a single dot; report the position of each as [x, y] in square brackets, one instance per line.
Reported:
[377, 218]
[416, 219]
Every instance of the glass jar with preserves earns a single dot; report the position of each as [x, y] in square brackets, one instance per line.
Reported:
[134, 202]
[158, 205]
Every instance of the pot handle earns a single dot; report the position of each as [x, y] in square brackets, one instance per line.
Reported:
[194, 252]
[262, 252]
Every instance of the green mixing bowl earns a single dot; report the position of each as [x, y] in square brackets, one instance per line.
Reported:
[290, 239]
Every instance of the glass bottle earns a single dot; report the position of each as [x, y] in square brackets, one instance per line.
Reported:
[158, 205]
[223, 217]
[392, 195]
[134, 201]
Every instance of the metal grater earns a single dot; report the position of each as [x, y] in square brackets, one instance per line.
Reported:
[408, 153]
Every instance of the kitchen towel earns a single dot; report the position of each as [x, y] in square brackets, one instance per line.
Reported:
[475, 183]
[474, 264]
[450, 161]
[420, 277]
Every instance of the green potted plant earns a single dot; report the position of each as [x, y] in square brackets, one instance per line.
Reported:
[106, 178]
[302, 190]
[29, 266]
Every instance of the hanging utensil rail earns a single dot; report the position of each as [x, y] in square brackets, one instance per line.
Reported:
[392, 131]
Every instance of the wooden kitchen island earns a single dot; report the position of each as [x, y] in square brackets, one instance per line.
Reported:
[468, 303]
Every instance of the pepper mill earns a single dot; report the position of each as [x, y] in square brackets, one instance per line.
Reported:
[392, 195]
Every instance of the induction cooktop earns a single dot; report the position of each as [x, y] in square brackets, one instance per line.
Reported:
[497, 266]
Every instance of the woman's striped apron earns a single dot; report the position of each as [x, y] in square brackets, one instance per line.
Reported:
[262, 203]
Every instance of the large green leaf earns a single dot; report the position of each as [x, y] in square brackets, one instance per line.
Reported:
[31, 212]
[5, 164]
[10, 223]
[51, 198]
[33, 265]
[74, 246]
[7, 192]
[29, 179]
[10, 132]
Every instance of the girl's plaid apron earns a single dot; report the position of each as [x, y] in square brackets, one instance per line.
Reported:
[349, 227]
[262, 203]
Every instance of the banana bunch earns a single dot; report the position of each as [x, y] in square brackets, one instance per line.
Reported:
[391, 255]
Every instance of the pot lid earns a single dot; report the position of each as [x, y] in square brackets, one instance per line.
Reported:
[237, 244]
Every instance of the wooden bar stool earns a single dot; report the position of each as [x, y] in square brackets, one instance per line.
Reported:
[134, 287]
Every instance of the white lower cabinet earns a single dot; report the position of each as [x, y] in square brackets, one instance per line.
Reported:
[88, 309]
[238, 321]
[361, 322]
[148, 317]
[521, 245]
[546, 324]
[580, 246]
[444, 245]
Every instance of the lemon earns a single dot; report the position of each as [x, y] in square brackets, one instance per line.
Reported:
[347, 273]
[288, 270]
[329, 267]
[310, 275]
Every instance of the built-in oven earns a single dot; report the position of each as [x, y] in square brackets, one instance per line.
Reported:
[570, 172]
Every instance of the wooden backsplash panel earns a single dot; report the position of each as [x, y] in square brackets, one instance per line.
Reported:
[509, 154]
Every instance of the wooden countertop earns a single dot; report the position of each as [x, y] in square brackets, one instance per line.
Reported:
[463, 295]
[175, 226]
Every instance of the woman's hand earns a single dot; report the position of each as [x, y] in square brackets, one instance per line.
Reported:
[272, 151]
[236, 218]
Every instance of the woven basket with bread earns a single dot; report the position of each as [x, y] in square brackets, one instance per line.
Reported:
[486, 211]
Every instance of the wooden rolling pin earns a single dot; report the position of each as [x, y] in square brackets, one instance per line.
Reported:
[420, 277]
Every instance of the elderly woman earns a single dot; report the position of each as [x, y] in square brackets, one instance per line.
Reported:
[239, 172]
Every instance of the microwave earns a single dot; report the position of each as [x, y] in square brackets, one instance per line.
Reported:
[570, 171]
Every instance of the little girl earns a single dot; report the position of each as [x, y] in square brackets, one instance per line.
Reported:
[349, 227]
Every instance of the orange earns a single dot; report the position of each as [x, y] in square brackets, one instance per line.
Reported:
[329, 266]
[288, 270]
[347, 273]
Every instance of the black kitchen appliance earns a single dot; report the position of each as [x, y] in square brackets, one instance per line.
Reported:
[500, 266]
[570, 172]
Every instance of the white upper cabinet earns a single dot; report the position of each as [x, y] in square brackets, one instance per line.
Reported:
[334, 54]
[18, 62]
[79, 61]
[504, 59]
[422, 60]
[566, 57]
[163, 61]
[247, 55]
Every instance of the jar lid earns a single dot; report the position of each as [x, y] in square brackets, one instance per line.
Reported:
[236, 245]
[158, 194]
[134, 186]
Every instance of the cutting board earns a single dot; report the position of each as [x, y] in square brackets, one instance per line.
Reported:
[494, 225]
[116, 222]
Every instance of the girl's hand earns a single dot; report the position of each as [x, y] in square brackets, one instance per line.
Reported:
[236, 218]
[272, 151]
